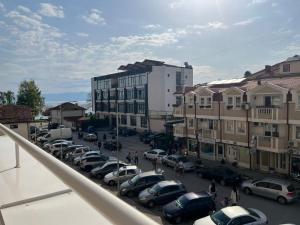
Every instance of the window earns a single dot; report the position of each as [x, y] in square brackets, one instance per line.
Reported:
[229, 126]
[130, 108]
[202, 101]
[132, 121]
[275, 100]
[230, 101]
[191, 122]
[178, 78]
[297, 132]
[286, 68]
[123, 120]
[140, 94]
[298, 101]
[208, 101]
[141, 108]
[237, 102]
[210, 124]
[241, 127]
[178, 100]
[13, 126]
[275, 187]
[271, 130]
[262, 184]
[247, 220]
[268, 101]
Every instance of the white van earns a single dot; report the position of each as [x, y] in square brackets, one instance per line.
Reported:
[60, 133]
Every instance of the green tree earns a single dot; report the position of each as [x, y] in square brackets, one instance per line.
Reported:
[7, 98]
[247, 74]
[30, 95]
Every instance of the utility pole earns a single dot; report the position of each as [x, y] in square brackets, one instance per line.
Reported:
[118, 166]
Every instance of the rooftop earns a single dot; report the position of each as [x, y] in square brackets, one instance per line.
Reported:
[67, 106]
[15, 114]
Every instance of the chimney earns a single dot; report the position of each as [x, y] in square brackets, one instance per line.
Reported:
[258, 82]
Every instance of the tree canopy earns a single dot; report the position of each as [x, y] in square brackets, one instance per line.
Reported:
[7, 98]
[30, 95]
[247, 74]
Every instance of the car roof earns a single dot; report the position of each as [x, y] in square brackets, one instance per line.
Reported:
[235, 211]
[168, 183]
[149, 173]
[158, 150]
[193, 195]
[276, 181]
[129, 167]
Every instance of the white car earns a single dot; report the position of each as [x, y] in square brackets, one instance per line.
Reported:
[234, 215]
[78, 159]
[58, 147]
[47, 145]
[78, 152]
[155, 154]
[125, 173]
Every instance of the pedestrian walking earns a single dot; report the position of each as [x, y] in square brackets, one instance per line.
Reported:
[128, 157]
[181, 168]
[154, 163]
[136, 158]
[104, 137]
[234, 196]
[213, 190]
[99, 145]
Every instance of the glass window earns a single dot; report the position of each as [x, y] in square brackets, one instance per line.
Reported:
[298, 105]
[276, 100]
[297, 132]
[247, 220]
[229, 127]
[202, 101]
[208, 101]
[275, 187]
[262, 184]
[238, 102]
[143, 122]
[241, 127]
[191, 122]
[230, 101]
[132, 121]
[141, 108]
[286, 67]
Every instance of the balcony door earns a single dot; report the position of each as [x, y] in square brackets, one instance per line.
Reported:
[268, 101]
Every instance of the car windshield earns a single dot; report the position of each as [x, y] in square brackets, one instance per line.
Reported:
[220, 218]
[154, 189]
[134, 179]
[253, 213]
[182, 201]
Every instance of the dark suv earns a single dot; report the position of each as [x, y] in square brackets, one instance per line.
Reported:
[221, 174]
[189, 206]
[108, 167]
[140, 182]
[161, 193]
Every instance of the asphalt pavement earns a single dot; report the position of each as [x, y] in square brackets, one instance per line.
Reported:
[276, 213]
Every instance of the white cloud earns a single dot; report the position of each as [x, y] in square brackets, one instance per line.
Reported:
[256, 2]
[50, 10]
[247, 21]
[176, 4]
[2, 7]
[80, 34]
[152, 26]
[94, 17]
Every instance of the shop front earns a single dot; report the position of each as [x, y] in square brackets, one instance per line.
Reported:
[207, 150]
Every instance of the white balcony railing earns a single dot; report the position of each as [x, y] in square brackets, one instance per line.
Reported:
[112, 208]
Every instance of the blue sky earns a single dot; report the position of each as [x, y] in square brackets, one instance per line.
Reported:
[62, 44]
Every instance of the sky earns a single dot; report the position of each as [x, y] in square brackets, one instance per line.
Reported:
[62, 44]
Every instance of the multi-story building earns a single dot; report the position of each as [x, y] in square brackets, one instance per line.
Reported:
[141, 94]
[254, 121]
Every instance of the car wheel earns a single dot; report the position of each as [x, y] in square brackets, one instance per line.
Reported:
[281, 200]
[111, 183]
[122, 193]
[178, 219]
[247, 191]
[130, 194]
[150, 204]
[223, 182]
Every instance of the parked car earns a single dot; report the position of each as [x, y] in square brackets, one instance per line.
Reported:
[234, 215]
[90, 162]
[78, 152]
[221, 174]
[90, 137]
[58, 147]
[77, 160]
[154, 154]
[280, 190]
[172, 160]
[108, 167]
[151, 137]
[47, 145]
[140, 182]
[189, 206]
[125, 173]
[70, 149]
[144, 135]
[161, 193]
[111, 145]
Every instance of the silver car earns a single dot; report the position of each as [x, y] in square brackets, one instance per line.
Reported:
[279, 190]
[172, 160]
[125, 173]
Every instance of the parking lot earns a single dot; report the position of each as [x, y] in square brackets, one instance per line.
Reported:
[276, 213]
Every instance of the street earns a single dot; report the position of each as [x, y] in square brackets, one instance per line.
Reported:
[276, 213]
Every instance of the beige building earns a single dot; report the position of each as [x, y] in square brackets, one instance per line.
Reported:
[67, 114]
[17, 118]
[254, 121]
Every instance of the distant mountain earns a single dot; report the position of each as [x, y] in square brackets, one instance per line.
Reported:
[52, 99]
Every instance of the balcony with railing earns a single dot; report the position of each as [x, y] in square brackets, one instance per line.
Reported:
[178, 111]
[267, 113]
[179, 130]
[37, 188]
[272, 144]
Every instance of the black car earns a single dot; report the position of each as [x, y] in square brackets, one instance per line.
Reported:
[162, 193]
[108, 167]
[140, 182]
[189, 206]
[221, 174]
[111, 145]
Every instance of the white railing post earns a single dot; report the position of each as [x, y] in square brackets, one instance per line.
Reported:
[17, 155]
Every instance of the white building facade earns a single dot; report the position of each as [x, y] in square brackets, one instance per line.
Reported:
[142, 94]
